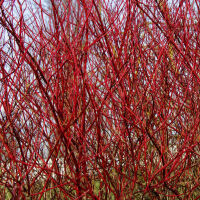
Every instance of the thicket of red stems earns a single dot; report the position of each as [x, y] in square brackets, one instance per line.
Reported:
[100, 99]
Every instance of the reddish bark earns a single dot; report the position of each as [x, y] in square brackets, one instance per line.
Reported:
[99, 99]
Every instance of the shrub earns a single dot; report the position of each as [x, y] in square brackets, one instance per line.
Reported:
[99, 99]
